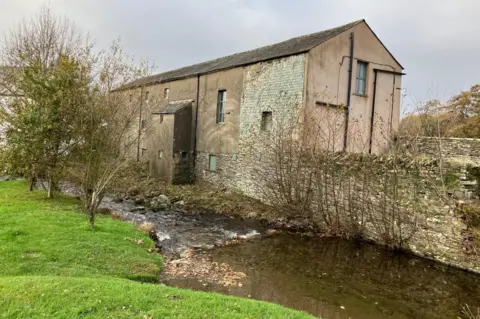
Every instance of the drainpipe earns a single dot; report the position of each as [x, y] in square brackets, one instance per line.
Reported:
[196, 125]
[372, 115]
[349, 91]
[139, 124]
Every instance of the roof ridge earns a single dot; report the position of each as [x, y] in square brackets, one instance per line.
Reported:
[288, 47]
[351, 24]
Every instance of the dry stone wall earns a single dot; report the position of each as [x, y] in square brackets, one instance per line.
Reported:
[466, 149]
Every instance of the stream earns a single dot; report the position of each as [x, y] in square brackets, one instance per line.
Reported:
[326, 277]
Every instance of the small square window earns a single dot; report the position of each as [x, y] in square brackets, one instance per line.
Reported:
[144, 152]
[166, 93]
[221, 106]
[362, 68]
[266, 124]
[184, 156]
[212, 163]
[160, 154]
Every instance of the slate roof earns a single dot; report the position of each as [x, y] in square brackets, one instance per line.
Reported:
[172, 108]
[286, 48]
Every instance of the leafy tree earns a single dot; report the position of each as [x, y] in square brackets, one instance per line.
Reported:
[44, 75]
[69, 116]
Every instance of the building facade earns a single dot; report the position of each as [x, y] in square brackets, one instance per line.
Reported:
[342, 85]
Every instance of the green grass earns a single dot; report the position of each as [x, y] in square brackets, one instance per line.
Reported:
[54, 266]
[59, 297]
[50, 237]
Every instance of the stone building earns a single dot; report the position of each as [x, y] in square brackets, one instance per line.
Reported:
[235, 100]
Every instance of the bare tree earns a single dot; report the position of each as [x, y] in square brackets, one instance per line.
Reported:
[106, 125]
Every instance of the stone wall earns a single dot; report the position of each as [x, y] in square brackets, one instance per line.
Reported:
[226, 172]
[462, 149]
[277, 87]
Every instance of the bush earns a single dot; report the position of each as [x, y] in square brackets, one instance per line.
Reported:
[470, 214]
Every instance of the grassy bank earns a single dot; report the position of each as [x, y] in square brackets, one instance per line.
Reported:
[54, 266]
[51, 237]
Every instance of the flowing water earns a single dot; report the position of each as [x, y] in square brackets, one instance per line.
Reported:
[329, 278]
[334, 278]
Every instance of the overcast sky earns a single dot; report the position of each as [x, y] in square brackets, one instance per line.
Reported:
[435, 40]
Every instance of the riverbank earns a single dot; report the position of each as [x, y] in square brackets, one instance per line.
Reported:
[440, 234]
[54, 265]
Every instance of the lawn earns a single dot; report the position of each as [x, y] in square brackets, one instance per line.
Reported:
[54, 266]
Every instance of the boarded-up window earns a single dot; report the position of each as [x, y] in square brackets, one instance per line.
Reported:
[160, 154]
[362, 68]
[212, 163]
[266, 124]
[221, 105]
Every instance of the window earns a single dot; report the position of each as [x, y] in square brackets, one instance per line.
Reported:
[161, 118]
[130, 98]
[144, 124]
[362, 68]
[165, 93]
[160, 154]
[212, 163]
[144, 152]
[146, 96]
[184, 156]
[221, 105]
[266, 124]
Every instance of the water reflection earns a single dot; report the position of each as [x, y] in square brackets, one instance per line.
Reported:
[334, 278]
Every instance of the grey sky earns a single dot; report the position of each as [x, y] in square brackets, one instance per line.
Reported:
[435, 40]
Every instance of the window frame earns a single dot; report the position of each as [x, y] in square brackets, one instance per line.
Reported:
[266, 122]
[212, 168]
[221, 106]
[361, 80]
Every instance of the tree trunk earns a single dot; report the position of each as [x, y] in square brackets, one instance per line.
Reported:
[33, 182]
[51, 186]
[92, 207]
[92, 219]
